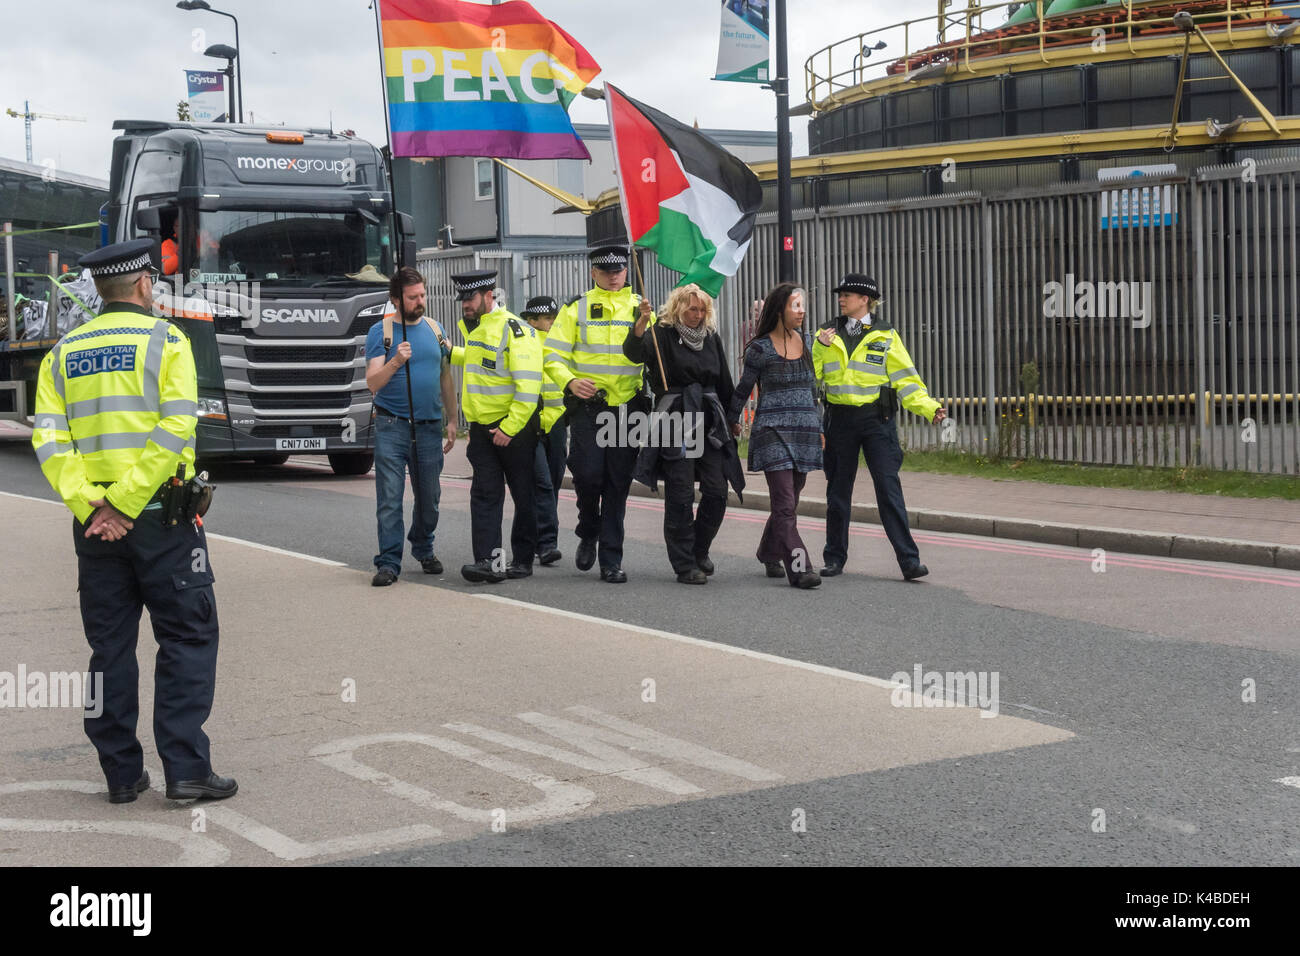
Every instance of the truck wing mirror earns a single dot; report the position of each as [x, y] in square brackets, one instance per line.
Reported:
[408, 253]
[148, 219]
[405, 224]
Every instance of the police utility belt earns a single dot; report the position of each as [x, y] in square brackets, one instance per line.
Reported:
[185, 500]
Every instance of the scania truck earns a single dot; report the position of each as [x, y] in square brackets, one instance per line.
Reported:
[277, 246]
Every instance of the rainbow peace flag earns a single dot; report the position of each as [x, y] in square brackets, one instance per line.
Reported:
[467, 79]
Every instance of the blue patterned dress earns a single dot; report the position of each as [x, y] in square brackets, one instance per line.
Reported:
[787, 430]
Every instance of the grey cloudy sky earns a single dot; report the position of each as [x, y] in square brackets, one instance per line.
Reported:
[113, 59]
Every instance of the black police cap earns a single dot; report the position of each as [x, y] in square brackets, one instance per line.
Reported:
[540, 305]
[859, 284]
[469, 284]
[120, 258]
[611, 258]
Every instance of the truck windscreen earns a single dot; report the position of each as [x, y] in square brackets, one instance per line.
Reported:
[293, 249]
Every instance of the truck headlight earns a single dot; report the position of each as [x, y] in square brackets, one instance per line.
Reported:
[212, 408]
[376, 309]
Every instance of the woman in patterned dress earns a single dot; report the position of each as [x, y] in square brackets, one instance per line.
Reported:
[785, 440]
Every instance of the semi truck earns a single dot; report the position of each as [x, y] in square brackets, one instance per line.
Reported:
[275, 250]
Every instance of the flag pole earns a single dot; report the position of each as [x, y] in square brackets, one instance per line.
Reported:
[417, 506]
[627, 222]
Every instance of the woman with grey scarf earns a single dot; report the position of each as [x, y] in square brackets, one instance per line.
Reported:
[690, 440]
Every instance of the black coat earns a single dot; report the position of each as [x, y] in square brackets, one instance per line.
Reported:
[698, 382]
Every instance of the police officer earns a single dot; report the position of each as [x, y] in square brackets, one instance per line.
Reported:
[865, 369]
[552, 446]
[116, 407]
[584, 357]
[502, 384]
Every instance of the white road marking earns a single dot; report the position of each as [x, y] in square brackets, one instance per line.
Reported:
[196, 849]
[1289, 782]
[273, 550]
[696, 642]
[560, 799]
[608, 744]
[219, 537]
[287, 848]
[44, 501]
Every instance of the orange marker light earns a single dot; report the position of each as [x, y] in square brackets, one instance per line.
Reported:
[284, 137]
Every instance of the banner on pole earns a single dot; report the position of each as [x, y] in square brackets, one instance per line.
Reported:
[207, 96]
[743, 48]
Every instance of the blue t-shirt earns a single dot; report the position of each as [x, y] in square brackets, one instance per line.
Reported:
[425, 365]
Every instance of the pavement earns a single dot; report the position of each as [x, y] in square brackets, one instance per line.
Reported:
[1254, 531]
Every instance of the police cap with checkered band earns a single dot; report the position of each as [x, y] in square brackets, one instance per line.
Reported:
[120, 258]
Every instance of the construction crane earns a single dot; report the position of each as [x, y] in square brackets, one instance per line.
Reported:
[28, 116]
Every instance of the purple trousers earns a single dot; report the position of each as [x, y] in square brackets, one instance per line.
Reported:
[781, 541]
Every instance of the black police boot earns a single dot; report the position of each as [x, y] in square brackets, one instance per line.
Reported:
[481, 572]
[211, 787]
[128, 793]
[586, 555]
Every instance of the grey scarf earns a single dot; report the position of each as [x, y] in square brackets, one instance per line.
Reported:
[693, 338]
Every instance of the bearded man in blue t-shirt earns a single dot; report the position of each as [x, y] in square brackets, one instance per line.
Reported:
[417, 349]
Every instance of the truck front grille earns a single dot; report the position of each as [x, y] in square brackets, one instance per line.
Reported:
[300, 353]
[299, 376]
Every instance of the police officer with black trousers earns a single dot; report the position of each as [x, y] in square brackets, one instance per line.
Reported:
[501, 393]
[116, 411]
[584, 358]
[867, 373]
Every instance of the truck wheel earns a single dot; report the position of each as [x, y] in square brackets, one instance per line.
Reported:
[351, 463]
[270, 459]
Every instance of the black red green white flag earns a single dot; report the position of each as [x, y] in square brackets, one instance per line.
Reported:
[683, 195]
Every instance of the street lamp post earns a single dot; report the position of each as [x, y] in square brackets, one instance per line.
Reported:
[223, 52]
[785, 213]
[203, 5]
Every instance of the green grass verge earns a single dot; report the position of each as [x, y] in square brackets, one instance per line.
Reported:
[1199, 481]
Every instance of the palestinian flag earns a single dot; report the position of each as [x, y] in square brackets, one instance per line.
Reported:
[683, 195]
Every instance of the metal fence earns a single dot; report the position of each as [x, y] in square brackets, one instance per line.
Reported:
[1149, 322]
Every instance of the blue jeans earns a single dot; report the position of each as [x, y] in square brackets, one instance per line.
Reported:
[548, 473]
[392, 457]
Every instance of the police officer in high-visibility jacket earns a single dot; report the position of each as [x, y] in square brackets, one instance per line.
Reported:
[584, 356]
[502, 382]
[866, 372]
[552, 445]
[116, 408]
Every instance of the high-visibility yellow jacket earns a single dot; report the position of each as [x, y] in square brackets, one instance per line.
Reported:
[552, 394]
[116, 403]
[586, 341]
[879, 361]
[503, 371]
